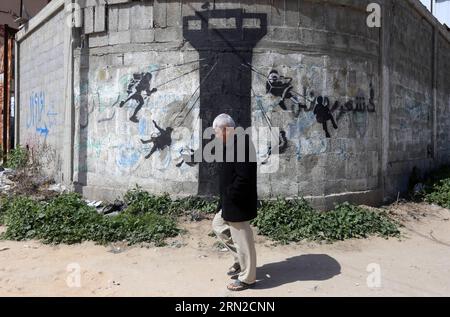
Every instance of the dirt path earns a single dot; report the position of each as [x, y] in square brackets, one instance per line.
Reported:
[416, 265]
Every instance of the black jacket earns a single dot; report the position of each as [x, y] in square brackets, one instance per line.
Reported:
[237, 184]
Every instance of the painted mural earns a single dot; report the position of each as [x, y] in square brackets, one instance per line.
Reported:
[147, 105]
[162, 140]
[138, 84]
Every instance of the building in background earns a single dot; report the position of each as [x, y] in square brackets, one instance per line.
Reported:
[441, 10]
[10, 11]
[358, 107]
[13, 14]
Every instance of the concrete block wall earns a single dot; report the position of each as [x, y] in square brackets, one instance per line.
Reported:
[41, 93]
[108, 144]
[323, 51]
[416, 69]
[326, 51]
[443, 101]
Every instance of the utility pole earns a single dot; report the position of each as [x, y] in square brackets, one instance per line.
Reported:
[21, 8]
[432, 3]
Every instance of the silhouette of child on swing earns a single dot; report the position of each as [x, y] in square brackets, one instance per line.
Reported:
[160, 141]
[323, 115]
[280, 86]
[138, 84]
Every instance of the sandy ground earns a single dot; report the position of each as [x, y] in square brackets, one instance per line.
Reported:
[418, 264]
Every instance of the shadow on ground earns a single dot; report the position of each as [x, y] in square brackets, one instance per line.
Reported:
[308, 267]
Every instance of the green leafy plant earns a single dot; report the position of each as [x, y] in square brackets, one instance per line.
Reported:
[17, 158]
[68, 219]
[3, 207]
[150, 218]
[439, 194]
[20, 215]
[143, 228]
[295, 220]
[207, 206]
[436, 188]
[141, 202]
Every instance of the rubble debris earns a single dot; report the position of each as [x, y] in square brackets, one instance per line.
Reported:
[5, 187]
[107, 209]
[5, 183]
[6, 171]
[177, 244]
[27, 246]
[112, 214]
[27, 183]
[58, 188]
[419, 188]
[116, 250]
[94, 203]
[116, 207]
[196, 215]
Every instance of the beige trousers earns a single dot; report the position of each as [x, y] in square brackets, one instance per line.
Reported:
[238, 238]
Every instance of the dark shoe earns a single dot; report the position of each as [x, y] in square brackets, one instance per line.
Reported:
[121, 104]
[234, 270]
[134, 119]
[238, 286]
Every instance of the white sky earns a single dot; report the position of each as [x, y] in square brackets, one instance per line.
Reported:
[441, 10]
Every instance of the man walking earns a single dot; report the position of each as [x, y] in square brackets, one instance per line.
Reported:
[238, 202]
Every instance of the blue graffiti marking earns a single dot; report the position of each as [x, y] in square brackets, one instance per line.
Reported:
[43, 131]
[41, 115]
[36, 108]
[127, 156]
[152, 68]
[143, 127]
[52, 117]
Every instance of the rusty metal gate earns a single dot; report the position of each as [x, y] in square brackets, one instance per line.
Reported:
[6, 89]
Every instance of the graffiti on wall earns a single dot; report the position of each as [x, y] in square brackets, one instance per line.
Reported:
[280, 86]
[217, 83]
[128, 156]
[290, 100]
[225, 85]
[139, 84]
[160, 141]
[102, 101]
[323, 114]
[41, 116]
[224, 39]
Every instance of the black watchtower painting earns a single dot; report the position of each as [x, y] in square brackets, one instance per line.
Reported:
[224, 40]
